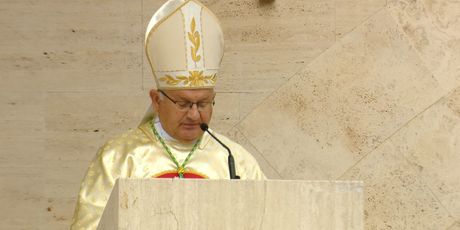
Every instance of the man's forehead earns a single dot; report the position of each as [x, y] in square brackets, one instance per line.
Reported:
[191, 93]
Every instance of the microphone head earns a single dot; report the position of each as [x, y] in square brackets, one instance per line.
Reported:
[204, 126]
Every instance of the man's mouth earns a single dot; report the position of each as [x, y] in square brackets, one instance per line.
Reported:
[190, 125]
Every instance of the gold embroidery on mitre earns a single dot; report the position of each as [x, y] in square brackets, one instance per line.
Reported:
[194, 37]
[195, 79]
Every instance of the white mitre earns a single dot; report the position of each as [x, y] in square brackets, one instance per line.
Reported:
[184, 44]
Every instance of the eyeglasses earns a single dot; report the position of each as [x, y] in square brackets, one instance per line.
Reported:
[187, 105]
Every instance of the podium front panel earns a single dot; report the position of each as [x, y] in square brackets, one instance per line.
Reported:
[163, 204]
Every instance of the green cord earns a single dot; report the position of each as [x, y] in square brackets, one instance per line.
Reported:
[180, 168]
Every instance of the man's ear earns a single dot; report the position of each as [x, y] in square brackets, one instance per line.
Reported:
[155, 97]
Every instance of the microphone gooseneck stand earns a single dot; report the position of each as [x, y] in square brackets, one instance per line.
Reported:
[231, 160]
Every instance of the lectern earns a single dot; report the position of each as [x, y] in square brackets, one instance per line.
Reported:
[163, 204]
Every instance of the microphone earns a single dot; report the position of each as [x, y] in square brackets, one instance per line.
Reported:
[231, 160]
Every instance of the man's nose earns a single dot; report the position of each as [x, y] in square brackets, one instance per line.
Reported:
[193, 112]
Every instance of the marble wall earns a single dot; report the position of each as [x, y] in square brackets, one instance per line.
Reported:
[333, 89]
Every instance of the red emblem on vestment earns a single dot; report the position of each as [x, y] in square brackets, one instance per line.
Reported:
[187, 175]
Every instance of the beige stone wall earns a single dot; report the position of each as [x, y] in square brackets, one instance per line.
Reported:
[333, 89]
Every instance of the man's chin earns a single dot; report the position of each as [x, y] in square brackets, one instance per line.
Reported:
[190, 135]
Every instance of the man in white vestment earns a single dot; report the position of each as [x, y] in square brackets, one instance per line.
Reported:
[184, 45]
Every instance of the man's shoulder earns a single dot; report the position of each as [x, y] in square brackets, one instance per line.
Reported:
[249, 167]
[225, 139]
[232, 141]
